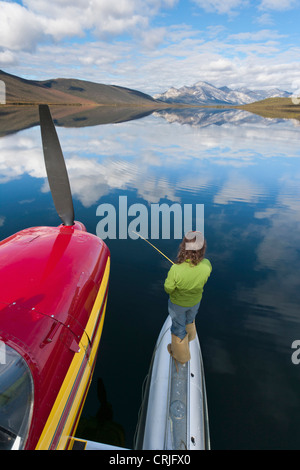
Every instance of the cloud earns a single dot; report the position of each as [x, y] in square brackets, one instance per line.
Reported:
[24, 27]
[96, 168]
[34, 40]
[19, 27]
[153, 38]
[7, 58]
[90, 178]
[278, 258]
[20, 155]
[142, 65]
[239, 189]
[265, 19]
[220, 6]
[279, 5]
[262, 35]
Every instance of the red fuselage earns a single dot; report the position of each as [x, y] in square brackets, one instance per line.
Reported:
[53, 291]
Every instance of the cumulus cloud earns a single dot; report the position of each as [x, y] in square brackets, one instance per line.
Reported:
[19, 27]
[253, 60]
[23, 27]
[153, 38]
[152, 58]
[8, 58]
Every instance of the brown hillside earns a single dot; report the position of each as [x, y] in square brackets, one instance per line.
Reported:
[275, 108]
[70, 92]
[21, 91]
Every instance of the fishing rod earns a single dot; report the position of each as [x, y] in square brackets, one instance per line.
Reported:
[153, 246]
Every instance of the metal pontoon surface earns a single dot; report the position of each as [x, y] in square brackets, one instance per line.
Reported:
[174, 408]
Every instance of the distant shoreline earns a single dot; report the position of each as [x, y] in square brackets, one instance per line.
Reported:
[71, 93]
[272, 108]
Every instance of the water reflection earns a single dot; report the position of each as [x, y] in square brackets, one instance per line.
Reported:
[154, 158]
[245, 169]
[101, 426]
[204, 117]
[16, 118]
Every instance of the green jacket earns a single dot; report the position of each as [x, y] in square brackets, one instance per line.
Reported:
[185, 282]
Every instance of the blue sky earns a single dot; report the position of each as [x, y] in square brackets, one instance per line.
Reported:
[152, 45]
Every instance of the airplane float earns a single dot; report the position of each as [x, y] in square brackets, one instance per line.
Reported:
[53, 294]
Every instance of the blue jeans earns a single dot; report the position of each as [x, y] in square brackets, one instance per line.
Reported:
[181, 316]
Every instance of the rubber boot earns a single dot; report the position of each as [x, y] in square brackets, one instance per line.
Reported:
[191, 331]
[179, 349]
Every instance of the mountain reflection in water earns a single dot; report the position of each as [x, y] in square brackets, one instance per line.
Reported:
[245, 170]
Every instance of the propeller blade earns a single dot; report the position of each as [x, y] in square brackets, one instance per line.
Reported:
[56, 168]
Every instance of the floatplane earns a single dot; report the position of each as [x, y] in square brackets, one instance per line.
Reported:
[50, 335]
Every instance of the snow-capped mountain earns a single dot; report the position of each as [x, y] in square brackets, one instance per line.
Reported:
[203, 93]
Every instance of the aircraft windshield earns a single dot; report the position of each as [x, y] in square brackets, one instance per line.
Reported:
[16, 399]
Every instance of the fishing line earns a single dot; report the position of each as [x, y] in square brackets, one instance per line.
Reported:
[153, 247]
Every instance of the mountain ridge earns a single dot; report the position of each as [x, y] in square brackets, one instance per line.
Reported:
[204, 93]
[78, 103]
[70, 92]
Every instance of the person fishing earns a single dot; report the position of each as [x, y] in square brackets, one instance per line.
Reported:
[184, 284]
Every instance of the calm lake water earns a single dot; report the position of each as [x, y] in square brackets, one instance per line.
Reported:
[246, 171]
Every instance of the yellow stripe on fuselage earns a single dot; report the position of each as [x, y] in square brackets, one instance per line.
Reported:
[77, 363]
